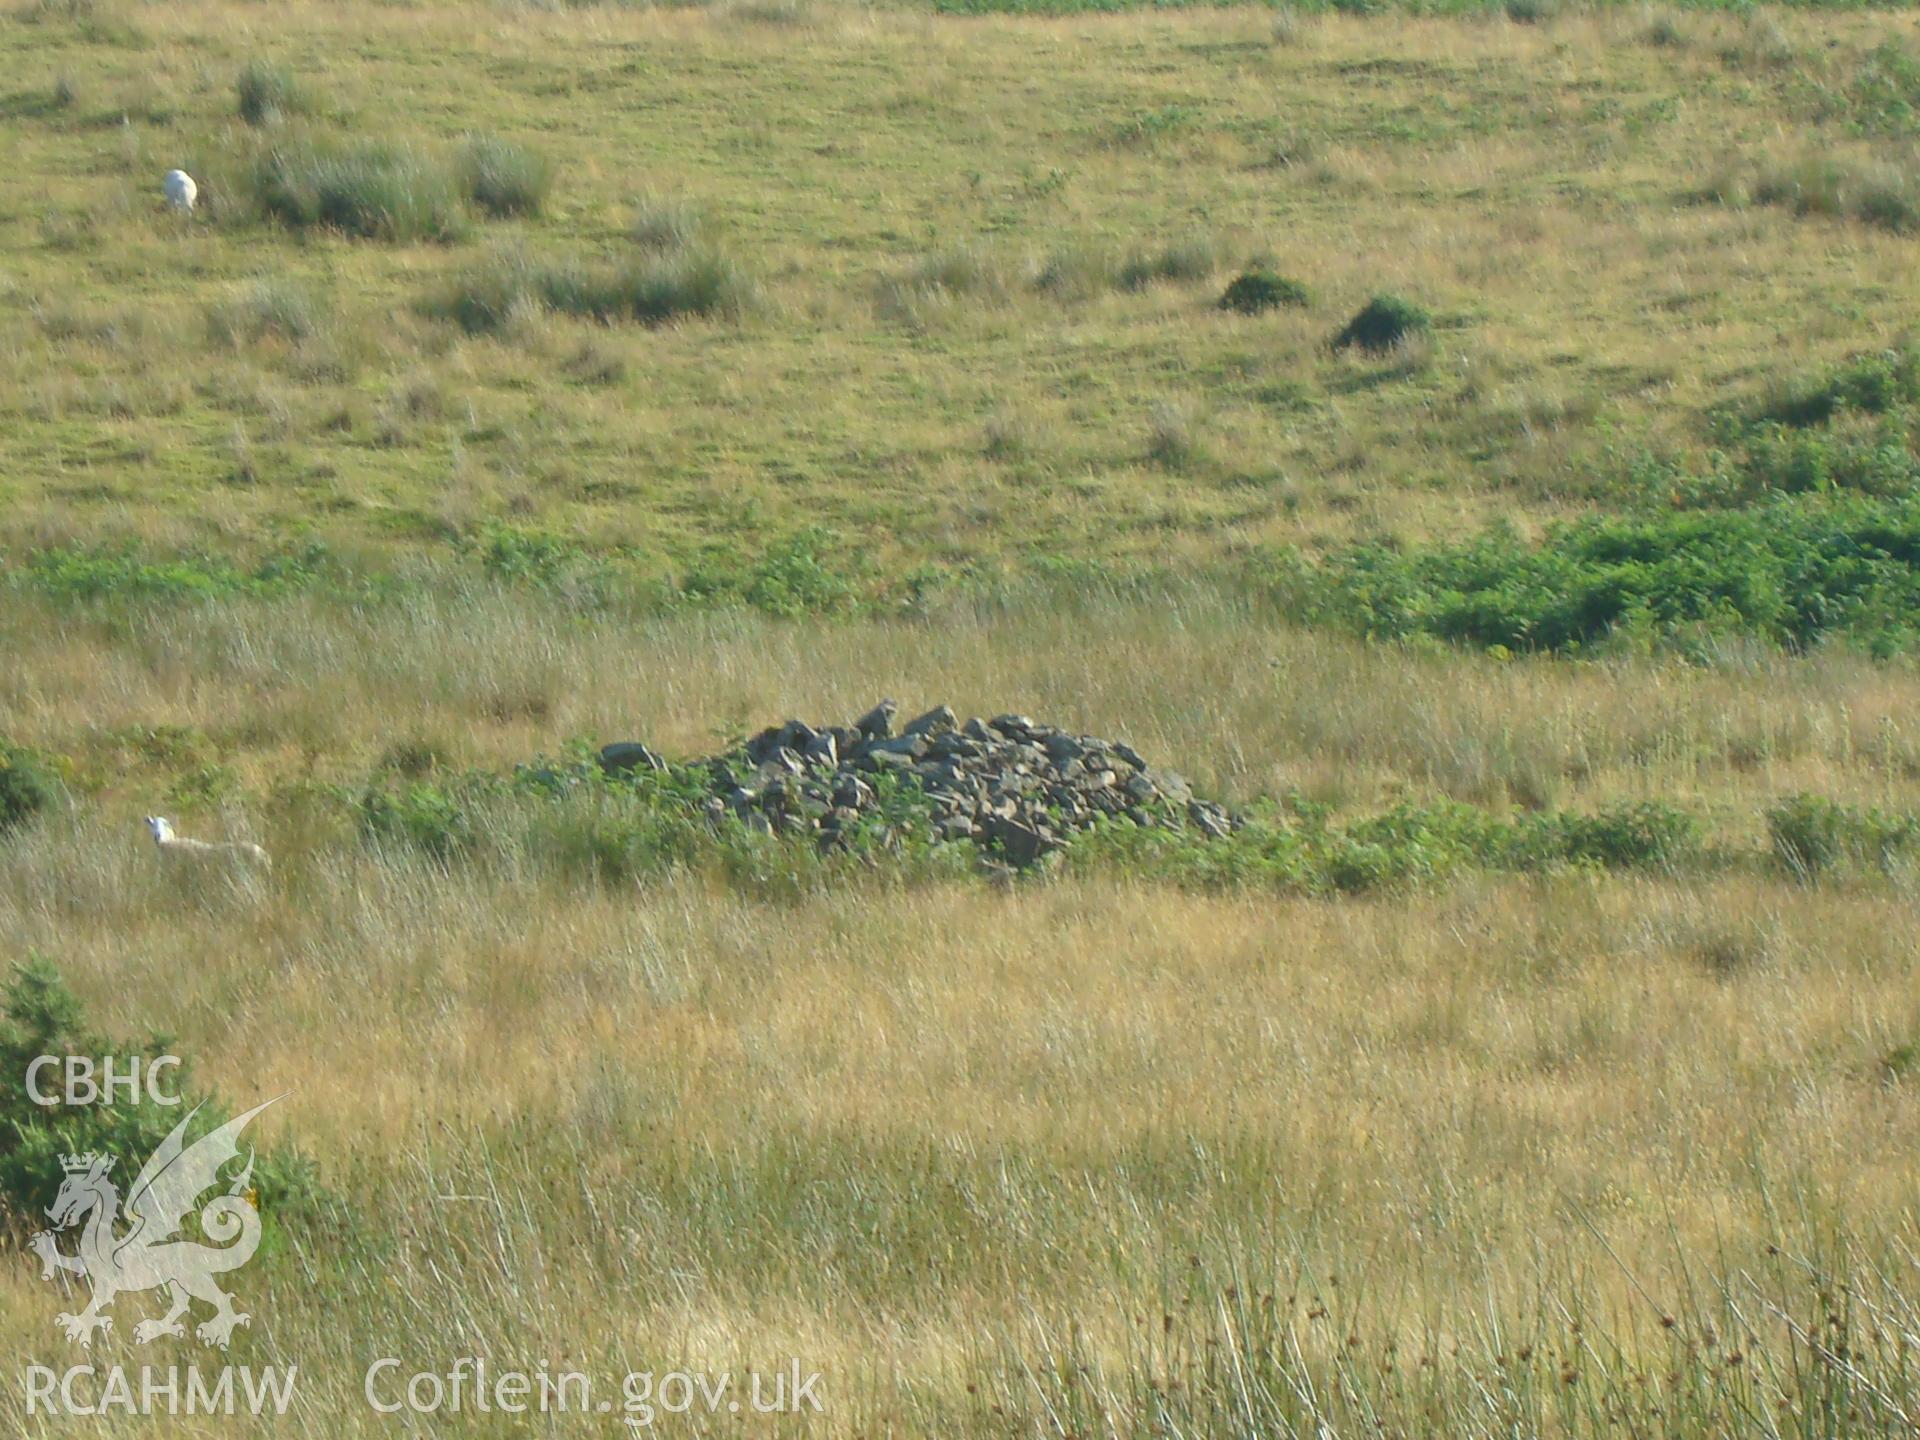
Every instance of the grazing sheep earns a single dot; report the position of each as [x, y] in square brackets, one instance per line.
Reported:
[181, 191]
[172, 844]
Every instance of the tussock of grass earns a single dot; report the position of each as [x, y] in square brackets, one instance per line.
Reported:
[1173, 440]
[267, 93]
[267, 307]
[1191, 259]
[1076, 272]
[649, 290]
[964, 271]
[1876, 193]
[662, 223]
[373, 191]
[503, 179]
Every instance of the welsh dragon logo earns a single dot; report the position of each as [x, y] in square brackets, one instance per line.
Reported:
[138, 1246]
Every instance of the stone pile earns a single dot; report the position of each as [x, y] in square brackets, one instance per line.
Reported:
[1010, 784]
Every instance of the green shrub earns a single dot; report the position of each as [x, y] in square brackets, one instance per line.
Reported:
[1257, 290]
[796, 576]
[1793, 570]
[39, 1015]
[502, 179]
[76, 574]
[1812, 836]
[267, 93]
[1650, 834]
[27, 787]
[418, 816]
[1385, 321]
[1873, 384]
[376, 192]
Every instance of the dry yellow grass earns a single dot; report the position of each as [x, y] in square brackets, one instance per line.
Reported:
[277, 691]
[924, 1138]
[884, 1131]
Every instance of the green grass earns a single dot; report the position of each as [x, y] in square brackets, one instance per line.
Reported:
[1052, 255]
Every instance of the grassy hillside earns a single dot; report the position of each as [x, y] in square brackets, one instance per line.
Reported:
[1539, 1059]
[978, 270]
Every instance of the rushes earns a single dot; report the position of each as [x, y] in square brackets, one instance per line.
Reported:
[502, 179]
[650, 289]
[374, 191]
[267, 93]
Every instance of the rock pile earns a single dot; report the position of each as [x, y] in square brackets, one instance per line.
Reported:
[1018, 787]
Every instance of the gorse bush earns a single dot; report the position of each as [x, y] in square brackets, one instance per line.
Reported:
[503, 179]
[39, 1015]
[27, 787]
[1813, 836]
[1254, 291]
[648, 290]
[1385, 321]
[374, 191]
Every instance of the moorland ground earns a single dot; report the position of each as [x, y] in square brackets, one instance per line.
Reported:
[530, 378]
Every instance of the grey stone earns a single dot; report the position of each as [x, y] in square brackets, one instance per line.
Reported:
[1023, 844]
[1211, 819]
[1171, 784]
[878, 721]
[940, 718]
[1022, 787]
[912, 746]
[1061, 747]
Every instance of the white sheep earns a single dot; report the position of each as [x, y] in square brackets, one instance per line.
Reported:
[202, 850]
[181, 191]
